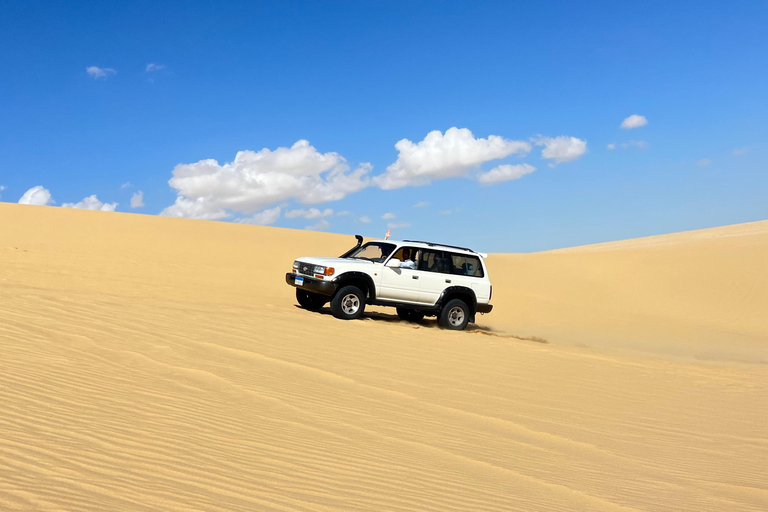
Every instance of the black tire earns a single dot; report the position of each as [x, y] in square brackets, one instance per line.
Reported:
[310, 301]
[348, 303]
[410, 315]
[454, 315]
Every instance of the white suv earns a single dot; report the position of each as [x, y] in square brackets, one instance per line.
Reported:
[418, 278]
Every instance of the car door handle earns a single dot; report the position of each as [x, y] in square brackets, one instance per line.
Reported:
[414, 277]
[447, 280]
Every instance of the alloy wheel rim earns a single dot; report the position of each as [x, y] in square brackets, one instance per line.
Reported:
[456, 316]
[350, 304]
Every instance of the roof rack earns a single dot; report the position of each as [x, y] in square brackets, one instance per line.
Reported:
[432, 244]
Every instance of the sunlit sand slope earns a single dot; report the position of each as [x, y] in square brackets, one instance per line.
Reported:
[161, 365]
[700, 294]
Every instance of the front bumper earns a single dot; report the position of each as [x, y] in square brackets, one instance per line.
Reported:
[483, 308]
[312, 284]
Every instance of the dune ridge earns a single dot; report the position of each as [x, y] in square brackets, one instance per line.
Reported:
[150, 363]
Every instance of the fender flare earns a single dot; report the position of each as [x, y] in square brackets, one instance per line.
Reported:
[353, 275]
[452, 291]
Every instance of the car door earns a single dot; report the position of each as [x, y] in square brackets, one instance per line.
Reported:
[434, 275]
[399, 284]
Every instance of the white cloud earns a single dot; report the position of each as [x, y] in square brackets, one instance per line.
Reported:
[505, 173]
[634, 121]
[561, 149]
[320, 226]
[397, 225]
[639, 144]
[255, 180]
[704, 162]
[365, 219]
[154, 67]
[263, 218]
[125, 185]
[421, 204]
[447, 155]
[137, 200]
[195, 209]
[37, 195]
[739, 151]
[91, 203]
[342, 213]
[312, 213]
[446, 212]
[2, 187]
[96, 72]
[388, 216]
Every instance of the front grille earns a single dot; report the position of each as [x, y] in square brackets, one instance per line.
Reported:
[306, 268]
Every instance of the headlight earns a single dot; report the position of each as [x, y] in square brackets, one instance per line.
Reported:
[295, 264]
[319, 270]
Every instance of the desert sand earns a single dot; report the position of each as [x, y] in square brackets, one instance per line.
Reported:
[159, 364]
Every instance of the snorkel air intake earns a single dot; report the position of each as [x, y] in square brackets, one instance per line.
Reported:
[359, 243]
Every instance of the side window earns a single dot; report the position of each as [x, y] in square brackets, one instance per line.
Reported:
[407, 253]
[435, 261]
[466, 265]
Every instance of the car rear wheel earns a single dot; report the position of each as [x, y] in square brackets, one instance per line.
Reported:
[454, 315]
[310, 301]
[348, 303]
[410, 315]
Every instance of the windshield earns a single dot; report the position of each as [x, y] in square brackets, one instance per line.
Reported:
[373, 251]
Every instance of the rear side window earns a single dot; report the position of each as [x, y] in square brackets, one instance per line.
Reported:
[450, 263]
[466, 265]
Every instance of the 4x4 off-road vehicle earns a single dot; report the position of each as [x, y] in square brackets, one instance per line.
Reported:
[418, 278]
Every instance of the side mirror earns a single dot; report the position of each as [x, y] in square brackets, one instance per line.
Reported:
[393, 263]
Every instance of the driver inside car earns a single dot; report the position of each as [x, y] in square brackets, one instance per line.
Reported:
[406, 261]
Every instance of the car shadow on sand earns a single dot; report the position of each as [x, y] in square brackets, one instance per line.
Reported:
[429, 323]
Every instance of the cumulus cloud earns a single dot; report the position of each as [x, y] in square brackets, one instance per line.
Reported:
[2, 187]
[154, 67]
[704, 162]
[195, 209]
[312, 213]
[421, 204]
[125, 185]
[320, 226]
[91, 203]
[96, 72]
[611, 146]
[137, 200]
[342, 213]
[255, 180]
[388, 216]
[634, 121]
[263, 218]
[365, 219]
[561, 149]
[505, 173]
[447, 155]
[37, 195]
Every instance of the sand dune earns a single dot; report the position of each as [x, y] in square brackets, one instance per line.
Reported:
[151, 363]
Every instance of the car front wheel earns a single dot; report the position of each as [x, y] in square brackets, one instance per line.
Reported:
[348, 303]
[454, 315]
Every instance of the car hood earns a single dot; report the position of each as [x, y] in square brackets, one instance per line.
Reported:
[333, 262]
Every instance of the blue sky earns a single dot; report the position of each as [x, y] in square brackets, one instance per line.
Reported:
[354, 78]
